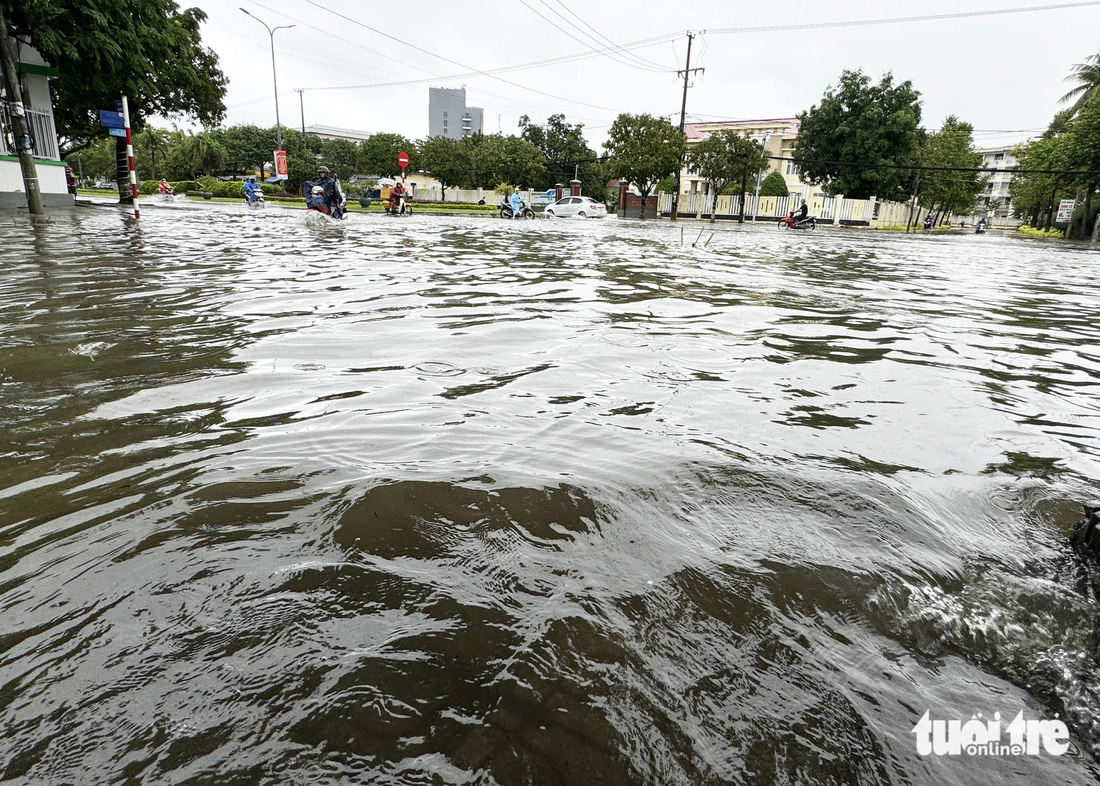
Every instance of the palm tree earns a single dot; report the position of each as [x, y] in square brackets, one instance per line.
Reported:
[1087, 76]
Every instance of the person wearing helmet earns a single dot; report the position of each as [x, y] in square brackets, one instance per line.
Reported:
[334, 198]
[164, 187]
[252, 189]
[315, 198]
[801, 213]
[516, 201]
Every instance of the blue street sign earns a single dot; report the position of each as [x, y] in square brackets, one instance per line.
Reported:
[118, 105]
[111, 119]
[117, 132]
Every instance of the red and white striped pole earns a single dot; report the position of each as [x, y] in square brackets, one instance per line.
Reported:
[130, 156]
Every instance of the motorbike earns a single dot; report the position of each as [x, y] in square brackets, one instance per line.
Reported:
[403, 208]
[524, 211]
[788, 222]
[256, 201]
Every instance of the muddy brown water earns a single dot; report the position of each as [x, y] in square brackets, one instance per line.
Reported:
[453, 500]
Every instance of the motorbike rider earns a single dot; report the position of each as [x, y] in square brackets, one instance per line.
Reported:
[516, 202]
[252, 189]
[316, 200]
[800, 214]
[396, 195]
[164, 187]
[334, 198]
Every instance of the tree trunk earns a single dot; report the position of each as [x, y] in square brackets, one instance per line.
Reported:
[122, 172]
[1086, 230]
[644, 195]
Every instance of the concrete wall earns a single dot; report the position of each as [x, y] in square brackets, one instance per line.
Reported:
[51, 183]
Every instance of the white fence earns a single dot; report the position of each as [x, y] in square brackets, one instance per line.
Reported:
[826, 209]
[43, 136]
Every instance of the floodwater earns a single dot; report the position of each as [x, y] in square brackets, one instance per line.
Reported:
[454, 500]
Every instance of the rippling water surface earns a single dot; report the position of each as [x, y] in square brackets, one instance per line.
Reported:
[451, 500]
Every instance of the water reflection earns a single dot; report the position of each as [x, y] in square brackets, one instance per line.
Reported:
[546, 503]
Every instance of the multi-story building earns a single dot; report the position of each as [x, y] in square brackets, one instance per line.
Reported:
[776, 135]
[448, 114]
[995, 199]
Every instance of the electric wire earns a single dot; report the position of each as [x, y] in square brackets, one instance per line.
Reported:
[606, 54]
[449, 60]
[896, 20]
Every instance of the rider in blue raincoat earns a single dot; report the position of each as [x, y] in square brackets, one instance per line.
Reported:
[251, 189]
[516, 202]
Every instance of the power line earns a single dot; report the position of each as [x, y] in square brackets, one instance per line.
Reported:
[898, 19]
[579, 41]
[629, 55]
[449, 60]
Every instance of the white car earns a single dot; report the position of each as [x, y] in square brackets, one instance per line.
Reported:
[570, 206]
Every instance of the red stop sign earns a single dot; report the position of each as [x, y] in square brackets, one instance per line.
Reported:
[403, 159]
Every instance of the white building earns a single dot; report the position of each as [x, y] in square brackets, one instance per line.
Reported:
[332, 132]
[994, 199]
[34, 73]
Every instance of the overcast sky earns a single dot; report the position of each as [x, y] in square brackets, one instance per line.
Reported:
[1002, 72]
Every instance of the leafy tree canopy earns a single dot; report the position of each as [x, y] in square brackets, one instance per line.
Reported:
[642, 149]
[852, 142]
[727, 157]
[147, 50]
[445, 159]
[377, 155]
[951, 147]
[774, 185]
[566, 155]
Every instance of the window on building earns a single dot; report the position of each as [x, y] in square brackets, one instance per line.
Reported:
[791, 168]
[444, 114]
[999, 157]
[444, 122]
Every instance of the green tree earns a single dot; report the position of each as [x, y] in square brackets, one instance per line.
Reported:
[520, 162]
[952, 147]
[482, 153]
[147, 50]
[727, 157]
[1087, 76]
[860, 139]
[1083, 154]
[377, 155]
[566, 154]
[204, 153]
[1033, 193]
[151, 144]
[247, 147]
[339, 155]
[774, 185]
[446, 160]
[642, 149]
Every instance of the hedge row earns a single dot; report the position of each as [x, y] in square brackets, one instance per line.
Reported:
[230, 188]
[179, 186]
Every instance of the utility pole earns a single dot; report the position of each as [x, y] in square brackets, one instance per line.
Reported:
[687, 72]
[301, 91]
[19, 122]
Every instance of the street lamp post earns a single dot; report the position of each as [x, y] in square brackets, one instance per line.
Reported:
[274, 78]
[759, 177]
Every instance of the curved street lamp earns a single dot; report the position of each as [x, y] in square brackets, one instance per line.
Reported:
[274, 79]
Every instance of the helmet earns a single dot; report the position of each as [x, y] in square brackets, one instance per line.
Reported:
[251, 180]
[323, 169]
[318, 190]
